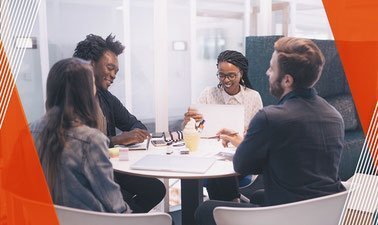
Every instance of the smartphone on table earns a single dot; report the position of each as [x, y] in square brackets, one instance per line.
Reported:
[159, 143]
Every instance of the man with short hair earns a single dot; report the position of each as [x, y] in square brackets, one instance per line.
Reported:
[296, 144]
[103, 54]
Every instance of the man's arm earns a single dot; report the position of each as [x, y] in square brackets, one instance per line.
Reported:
[124, 120]
[134, 131]
[251, 154]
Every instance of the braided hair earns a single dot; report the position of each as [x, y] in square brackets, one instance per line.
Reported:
[239, 60]
[94, 46]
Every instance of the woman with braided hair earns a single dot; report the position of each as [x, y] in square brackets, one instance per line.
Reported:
[233, 88]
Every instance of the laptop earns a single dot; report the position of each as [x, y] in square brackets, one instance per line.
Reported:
[220, 116]
[172, 163]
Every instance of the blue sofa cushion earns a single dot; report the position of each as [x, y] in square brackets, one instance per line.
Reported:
[344, 104]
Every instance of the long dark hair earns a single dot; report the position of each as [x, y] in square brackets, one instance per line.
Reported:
[70, 102]
[239, 60]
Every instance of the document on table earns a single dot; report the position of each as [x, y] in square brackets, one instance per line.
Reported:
[182, 164]
[225, 155]
[220, 116]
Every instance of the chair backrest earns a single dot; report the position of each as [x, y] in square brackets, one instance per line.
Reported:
[23, 210]
[71, 216]
[324, 210]
[27, 211]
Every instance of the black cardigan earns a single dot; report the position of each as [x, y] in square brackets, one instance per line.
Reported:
[297, 146]
[117, 116]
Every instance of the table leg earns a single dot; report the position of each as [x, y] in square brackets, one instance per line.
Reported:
[164, 205]
[191, 197]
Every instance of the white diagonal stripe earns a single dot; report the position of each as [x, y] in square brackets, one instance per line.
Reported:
[17, 20]
[364, 199]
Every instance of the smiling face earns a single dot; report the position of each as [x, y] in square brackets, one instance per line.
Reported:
[229, 75]
[105, 70]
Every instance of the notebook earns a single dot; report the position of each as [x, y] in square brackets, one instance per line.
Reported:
[137, 146]
[220, 116]
[171, 163]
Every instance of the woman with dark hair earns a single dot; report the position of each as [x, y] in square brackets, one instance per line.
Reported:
[72, 152]
[233, 88]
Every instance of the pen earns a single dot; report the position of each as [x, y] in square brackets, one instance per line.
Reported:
[200, 125]
[148, 143]
[217, 136]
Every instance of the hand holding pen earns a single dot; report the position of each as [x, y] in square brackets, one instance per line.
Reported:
[192, 113]
[229, 136]
[218, 136]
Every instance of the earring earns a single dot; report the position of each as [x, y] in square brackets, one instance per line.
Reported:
[219, 84]
[242, 83]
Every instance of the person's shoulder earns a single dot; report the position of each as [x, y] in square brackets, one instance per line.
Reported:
[88, 134]
[251, 92]
[326, 106]
[110, 99]
[105, 93]
[207, 95]
[210, 89]
[273, 111]
[90, 141]
[37, 125]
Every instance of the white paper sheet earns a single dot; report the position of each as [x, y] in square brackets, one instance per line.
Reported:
[221, 116]
[182, 164]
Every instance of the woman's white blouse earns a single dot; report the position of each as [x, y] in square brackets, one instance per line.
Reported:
[249, 98]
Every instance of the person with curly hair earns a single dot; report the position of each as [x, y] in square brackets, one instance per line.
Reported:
[144, 192]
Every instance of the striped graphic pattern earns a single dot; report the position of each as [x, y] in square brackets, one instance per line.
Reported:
[361, 206]
[17, 18]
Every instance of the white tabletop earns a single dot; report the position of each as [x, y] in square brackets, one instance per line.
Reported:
[207, 148]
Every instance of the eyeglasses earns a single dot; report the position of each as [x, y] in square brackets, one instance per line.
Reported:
[230, 76]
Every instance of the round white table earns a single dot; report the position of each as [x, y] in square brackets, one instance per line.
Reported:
[191, 185]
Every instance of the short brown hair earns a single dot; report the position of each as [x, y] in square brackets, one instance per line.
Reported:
[301, 58]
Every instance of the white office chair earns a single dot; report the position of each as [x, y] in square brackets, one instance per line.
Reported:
[33, 213]
[324, 210]
[71, 216]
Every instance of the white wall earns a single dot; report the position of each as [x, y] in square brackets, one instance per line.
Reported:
[69, 21]
[231, 30]
[142, 59]
[178, 61]
[29, 82]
